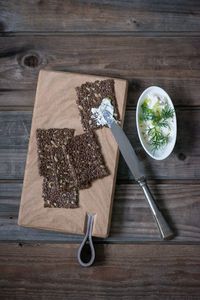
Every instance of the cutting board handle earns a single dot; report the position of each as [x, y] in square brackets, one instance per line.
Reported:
[87, 242]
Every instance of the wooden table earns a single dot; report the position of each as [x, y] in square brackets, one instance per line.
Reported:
[148, 43]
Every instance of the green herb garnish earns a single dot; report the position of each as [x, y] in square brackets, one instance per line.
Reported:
[167, 112]
[159, 119]
[147, 113]
[157, 138]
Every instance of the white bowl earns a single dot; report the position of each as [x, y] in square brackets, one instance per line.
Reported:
[166, 150]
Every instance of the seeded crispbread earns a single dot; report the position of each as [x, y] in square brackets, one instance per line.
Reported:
[59, 188]
[55, 197]
[50, 143]
[86, 158]
[67, 163]
[90, 95]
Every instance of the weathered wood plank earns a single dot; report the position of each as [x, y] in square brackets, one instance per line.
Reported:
[15, 98]
[134, 272]
[183, 92]
[143, 61]
[103, 16]
[131, 218]
[182, 164]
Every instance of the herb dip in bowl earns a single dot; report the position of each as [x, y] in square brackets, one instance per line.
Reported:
[156, 122]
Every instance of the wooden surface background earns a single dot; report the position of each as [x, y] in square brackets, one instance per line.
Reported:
[148, 42]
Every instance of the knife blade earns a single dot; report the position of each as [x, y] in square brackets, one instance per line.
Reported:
[127, 151]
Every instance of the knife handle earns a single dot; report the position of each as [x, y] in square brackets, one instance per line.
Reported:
[164, 229]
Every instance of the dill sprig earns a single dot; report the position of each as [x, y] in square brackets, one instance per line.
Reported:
[167, 112]
[159, 119]
[157, 138]
[147, 113]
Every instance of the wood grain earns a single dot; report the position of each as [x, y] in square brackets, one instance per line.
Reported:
[182, 164]
[16, 98]
[134, 272]
[131, 218]
[145, 61]
[103, 16]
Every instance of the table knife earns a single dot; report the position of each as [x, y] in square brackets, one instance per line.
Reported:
[137, 170]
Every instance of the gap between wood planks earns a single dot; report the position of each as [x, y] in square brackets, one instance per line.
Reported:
[144, 34]
[128, 182]
[22, 108]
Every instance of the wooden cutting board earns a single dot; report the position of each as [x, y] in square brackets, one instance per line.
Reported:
[55, 107]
